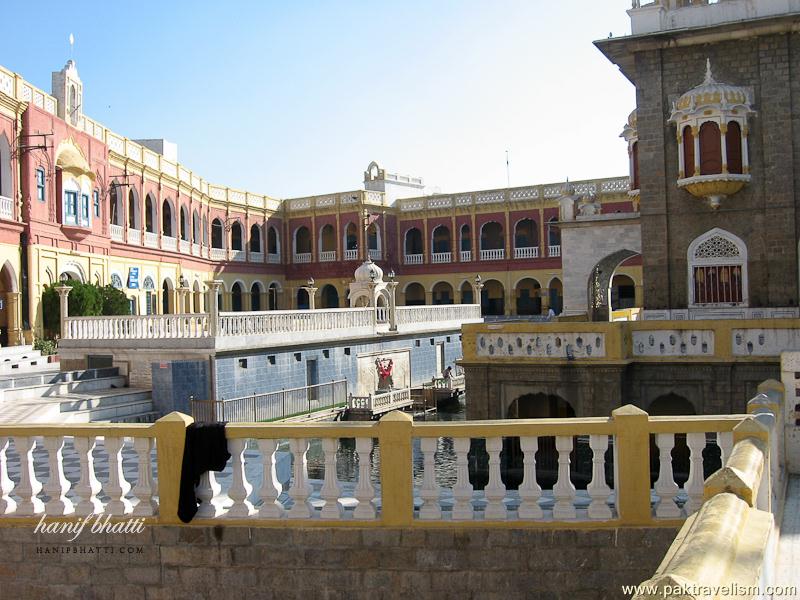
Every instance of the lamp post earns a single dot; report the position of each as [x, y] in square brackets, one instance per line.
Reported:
[392, 285]
[311, 291]
[63, 291]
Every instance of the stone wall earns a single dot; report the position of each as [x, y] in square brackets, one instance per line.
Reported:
[177, 563]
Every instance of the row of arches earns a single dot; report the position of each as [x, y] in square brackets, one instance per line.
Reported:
[302, 241]
[491, 237]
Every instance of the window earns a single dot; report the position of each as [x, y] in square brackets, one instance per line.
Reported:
[40, 185]
[84, 216]
[71, 207]
[717, 270]
[96, 200]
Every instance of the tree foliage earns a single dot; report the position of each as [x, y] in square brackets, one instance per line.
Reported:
[85, 300]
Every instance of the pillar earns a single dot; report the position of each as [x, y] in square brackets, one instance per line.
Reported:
[213, 286]
[696, 141]
[12, 312]
[392, 306]
[544, 295]
[638, 296]
[63, 295]
[182, 294]
[723, 130]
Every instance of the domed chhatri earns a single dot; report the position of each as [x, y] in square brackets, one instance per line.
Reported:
[712, 123]
[368, 271]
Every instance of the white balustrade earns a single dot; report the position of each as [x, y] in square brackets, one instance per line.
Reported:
[413, 259]
[57, 485]
[29, 486]
[430, 509]
[495, 254]
[375, 254]
[184, 246]
[238, 255]
[169, 243]
[7, 504]
[138, 327]
[135, 238]
[117, 233]
[564, 490]
[208, 493]
[527, 252]
[274, 259]
[330, 491]
[256, 257]
[240, 488]
[694, 485]
[196, 250]
[327, 256]
[440, 257]
[462, 490]
[267, 322]
[144, 488]
[665, 485]
[554, 251]
[529, 490]
[725, 443]
[598, 489]
[300, 489]
[440, 313]
[218, 254]
[364, 491]
[382, 314]
[117, 487]
[271, 488]
[351, 254]
[150, 239]
[495, 490]
[466, 256]
[6, 208]
[88, 486]
[301, 258]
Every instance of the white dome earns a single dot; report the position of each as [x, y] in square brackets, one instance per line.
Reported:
[713, 94]
[364, 273]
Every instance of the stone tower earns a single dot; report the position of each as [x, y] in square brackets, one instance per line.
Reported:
[67, 88]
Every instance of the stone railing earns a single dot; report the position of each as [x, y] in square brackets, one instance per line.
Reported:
[327, 256]
[442, 313]
[440, 257]
[6, 208]
[351, 254]
[526, 252]
[466, 255]
[269, 322]
[495, 254]
[238, 255]
[413, 259]
[150, 238]
[184, 246]
[219, 254]
[554, 251]
[375, 254]
[274, 259]
[382, 490]
[138, 327]
[135, 238]
[256, 257]
[117, 234]
[380, 403]
[301, 258]
[169, 243]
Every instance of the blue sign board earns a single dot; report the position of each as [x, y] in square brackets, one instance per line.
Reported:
[133, 278]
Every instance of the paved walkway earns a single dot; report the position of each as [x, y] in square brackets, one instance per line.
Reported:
[788, 560]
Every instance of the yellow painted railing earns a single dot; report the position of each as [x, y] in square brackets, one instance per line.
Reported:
[395, 481]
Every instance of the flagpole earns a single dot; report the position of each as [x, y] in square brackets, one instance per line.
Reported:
[508, 172]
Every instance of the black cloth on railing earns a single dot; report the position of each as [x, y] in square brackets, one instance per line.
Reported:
[206, 449]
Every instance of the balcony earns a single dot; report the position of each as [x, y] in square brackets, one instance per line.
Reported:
[413, 259]
[327, 256]
[219, 254]
[351, 254]
[117, 233]
[256, 257]
[196, 250]
[441, 257]
[169, 243]
[135, 237]
[494, 254]
[528, 252]
[274, 259]
[554, 251]
[302, 258]
[6, 208]
[184, 246]
[238, 255]
[150, 239]
[375, 254]
[466, 255]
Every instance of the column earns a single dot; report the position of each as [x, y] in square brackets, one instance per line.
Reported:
[392, 306]
[638, 295]
[312, 293]
[12, 314]
[63, 295]
[723, 130]
[681, 158]
[213, 286]
[696, 141]
[182, 294]
[745, 155]
[544, 294]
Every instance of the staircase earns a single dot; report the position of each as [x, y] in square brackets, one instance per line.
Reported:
[39, 393]
[20, 359]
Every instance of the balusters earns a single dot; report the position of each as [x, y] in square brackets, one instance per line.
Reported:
[563, 490]
[207, 492]
[429, 492]
[7, 504]
[271, 488]
[598, 489]
[495, 490]
[300, 489]
[694, 485]
[529, 490]
[665, 485]
[240, 488]
[364, 491]
[117, 486]
[462, 490]
[725, 443]
[144, 482]
[28, 487]
[57, 485]
[330, 491]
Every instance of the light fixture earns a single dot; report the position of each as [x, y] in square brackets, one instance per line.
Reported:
[391, 275]
[477, 279]
[64, 278]
[184, 282]
[372, 275]
[310, 282]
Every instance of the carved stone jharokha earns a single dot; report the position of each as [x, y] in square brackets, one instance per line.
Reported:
[711, 121]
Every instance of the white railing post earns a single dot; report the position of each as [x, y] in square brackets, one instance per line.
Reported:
[213, 286]
[63, 295]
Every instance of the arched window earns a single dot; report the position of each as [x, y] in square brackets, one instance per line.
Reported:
[329, 297]
[236, 236]
[149, 214]
[710, 149]
[553, 232]
[413, 246]
[205, 230]
[273, 247]
[442, 293]
[492, 239]
[327, 242]
[351, 237]
[195, 227]
[526, 234]
[255, 297]
[184, 224]
[5, 168]
[255, 238]
[116, 281]
[466, 238]
[273, 296]
[528, 297]
[216, 234]
[733, 147]
[688, 152]
[115, 205]
[717, 270]
[236, 297]
[374, 238]
[133, 210]
[414, 294]
[440, 238]
[166, 220]
[302, 241]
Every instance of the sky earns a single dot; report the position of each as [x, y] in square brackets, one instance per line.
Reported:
[296, 98]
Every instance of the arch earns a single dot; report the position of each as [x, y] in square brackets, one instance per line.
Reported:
[351, 237]
[599, 284]
[115, 205]
[150, 214]
[255, 238]
[556, 293]
[467, 293]
[73, 271]
[540, 406]
[236, 297]
[303, 299]
[623, 292]
[374, 242]
[148, 283]
[493, 298]
[167, 302]
[133, 209]
[412, 241]
[8, 278]
[717, 262]
[6, 187]
[414, 294]
[256, 291]
[329, 296]
[217, 239]
[553, 232]
[710, 149]
[442, 293]
[116, 281]
[272, 292]
[526, 234]
[195, 227]
[302, 240]
[465, 238]
[492, 236]
[733, 147]
[327, 238]
[273, 241]
[237, 236]
[688, 151]
[167, 218]
[527, 293]
[184, 223]
[440, 239]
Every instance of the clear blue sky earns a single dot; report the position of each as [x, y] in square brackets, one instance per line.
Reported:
[296, 98]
